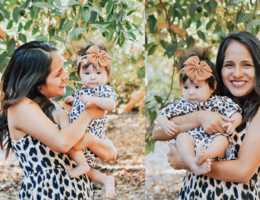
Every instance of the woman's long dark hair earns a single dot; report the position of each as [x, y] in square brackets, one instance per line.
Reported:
[251, 102]
[27, 69]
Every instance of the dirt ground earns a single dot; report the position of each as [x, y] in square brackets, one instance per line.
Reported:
[126, 131]
[162, 182]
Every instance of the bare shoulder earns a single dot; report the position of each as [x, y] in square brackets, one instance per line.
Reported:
[23, 105]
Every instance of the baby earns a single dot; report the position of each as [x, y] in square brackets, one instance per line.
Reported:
[198, 82]
[93, 68]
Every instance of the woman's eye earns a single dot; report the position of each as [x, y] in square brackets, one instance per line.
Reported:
[247, 65]
[228, 65]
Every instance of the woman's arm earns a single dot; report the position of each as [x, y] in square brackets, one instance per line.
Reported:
[210, 121]
[240, 170]
[27, 116]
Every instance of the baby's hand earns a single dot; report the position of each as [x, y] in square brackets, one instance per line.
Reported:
[87, 99]
[169, 128]
[69, 100]
[230, 128]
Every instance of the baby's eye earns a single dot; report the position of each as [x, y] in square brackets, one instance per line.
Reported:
[87, 73]
[98, 72]
[197, 87]
[185, 87]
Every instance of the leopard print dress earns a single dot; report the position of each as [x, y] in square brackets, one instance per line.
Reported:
[220, 104]
[45, 175]
[97, 126]
[196, 187]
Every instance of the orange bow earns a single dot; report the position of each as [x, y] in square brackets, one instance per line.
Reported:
[95, 58]
[196, 69]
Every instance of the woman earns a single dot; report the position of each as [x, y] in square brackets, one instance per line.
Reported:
[30, 123]
[238, 67]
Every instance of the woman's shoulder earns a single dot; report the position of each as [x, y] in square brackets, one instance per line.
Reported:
[24, 104]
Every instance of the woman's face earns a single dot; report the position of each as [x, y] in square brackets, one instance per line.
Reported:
[238, 71]
[55, 82]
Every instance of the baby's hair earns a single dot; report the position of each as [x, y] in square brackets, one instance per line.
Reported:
[83, 62]
[203, 55]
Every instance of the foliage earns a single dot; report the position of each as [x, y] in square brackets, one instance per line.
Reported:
[72, 23]
[176, 25]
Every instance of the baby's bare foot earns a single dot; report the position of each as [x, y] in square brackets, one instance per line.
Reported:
[77, 171]
[201, 169]
[110, 187]
[200, 154]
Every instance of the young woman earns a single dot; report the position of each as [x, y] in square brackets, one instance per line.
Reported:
[238, 67]
[36, 128]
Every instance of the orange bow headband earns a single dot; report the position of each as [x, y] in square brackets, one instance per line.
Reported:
[95, 57]
[196, 69]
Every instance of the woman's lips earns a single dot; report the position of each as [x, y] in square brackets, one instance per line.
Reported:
[238, 83]
[62, 86]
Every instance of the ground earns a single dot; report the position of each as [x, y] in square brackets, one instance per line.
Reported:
[162, 181]
[126, 131]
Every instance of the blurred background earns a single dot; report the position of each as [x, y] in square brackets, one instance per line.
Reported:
[69, 25]
[171, 27]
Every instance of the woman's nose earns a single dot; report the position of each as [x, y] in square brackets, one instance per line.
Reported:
[65, 76]
[238, 72]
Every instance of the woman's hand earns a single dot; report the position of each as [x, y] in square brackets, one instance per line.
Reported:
[175, 159]
[94, 112]
[212, 122]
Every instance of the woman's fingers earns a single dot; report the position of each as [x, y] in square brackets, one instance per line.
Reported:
[225, 118]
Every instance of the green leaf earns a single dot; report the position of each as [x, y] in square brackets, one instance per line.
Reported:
[198, 24]
[41, 38]
[111, 17]
[190, 42]
[11, 46]
[56, 37]
[86, 14]
[120, 15]
[186, 24]
[133, 60]
[61, 23]
[121, 39]
[171, 49]
[42, 5]
[152, 116]
[192, 9]
[132, 35]
[110, 34]
[22, 37]
[242, 18]
[69, 63]
[201, 35]
[69, 91]
[251, 24]
[213, 4]
[4, 12]
[98, 26]
[93, 17]
[16, 13]
[152, 49]
[9, 25]
[72, 3]
[4, 62]
[207, 7]
[218, 29]
[238, 16]
[152, 23]
[57, 11]
[67, 25]
[58, 3]
[158, 99]
[92, 7]
[28, 24]
[20, 27]
[76, 31]
[209, 24]
[109, 7]
[35, 30]
[141, 73]
[27, 3]
[130, 12]
[74, 77]
[164, 44]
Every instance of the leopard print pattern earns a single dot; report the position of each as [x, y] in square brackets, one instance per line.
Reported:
[45, 175]
[97, 126]
[219, 104]
[196, 187]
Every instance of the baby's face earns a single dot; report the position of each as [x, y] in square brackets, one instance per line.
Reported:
[92, 76]
[195, 91]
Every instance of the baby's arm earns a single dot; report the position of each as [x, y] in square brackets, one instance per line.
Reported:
[168, 126]
[231, 126]
[69, 99]
[108, 104]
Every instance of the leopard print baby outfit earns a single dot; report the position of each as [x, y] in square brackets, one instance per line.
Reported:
[219, 104]
[45, 175]
[97, 126]
[202, 187]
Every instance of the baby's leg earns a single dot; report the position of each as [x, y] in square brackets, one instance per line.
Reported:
[82, 165]
[185, 146]
[217, 148]
[97, 177]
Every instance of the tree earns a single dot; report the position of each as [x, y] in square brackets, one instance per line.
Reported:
[68, 24]
[174, 26]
